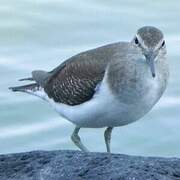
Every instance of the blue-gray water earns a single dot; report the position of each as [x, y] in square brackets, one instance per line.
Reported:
[41, 34]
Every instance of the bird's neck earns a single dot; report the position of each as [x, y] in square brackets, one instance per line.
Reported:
[132, 79]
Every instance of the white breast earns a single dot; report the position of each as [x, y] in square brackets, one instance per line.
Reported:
[104, 109]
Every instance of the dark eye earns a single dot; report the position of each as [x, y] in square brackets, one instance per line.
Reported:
[163, 44]
[136, 40]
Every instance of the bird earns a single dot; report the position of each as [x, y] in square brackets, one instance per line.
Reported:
[106, 87]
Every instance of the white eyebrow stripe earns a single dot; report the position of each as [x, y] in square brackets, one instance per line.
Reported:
[142, 42]
[159, 44]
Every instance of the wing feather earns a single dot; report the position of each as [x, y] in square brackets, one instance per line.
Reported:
[75, 80]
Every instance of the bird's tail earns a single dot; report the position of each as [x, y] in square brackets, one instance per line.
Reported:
[40, 77]
[26, 88]
[33, 89]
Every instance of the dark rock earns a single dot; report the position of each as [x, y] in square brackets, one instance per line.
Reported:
[75, 165]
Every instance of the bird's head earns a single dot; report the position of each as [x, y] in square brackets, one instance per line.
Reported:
[150, 41]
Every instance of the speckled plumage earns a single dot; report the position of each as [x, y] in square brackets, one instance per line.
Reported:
[109, 86]
[75, 82]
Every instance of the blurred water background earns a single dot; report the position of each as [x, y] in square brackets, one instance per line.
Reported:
[40, 34]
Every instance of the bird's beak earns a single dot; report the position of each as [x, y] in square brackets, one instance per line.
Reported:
[150, 57]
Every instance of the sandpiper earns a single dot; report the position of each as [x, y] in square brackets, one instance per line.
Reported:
[109, 86]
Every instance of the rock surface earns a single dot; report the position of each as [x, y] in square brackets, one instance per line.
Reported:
[75, 165]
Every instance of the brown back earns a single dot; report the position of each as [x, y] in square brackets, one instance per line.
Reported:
[75, 80]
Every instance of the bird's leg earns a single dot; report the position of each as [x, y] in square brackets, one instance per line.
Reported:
[77, 140]
[107, 137]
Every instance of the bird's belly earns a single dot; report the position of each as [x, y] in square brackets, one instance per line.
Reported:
[104, 109]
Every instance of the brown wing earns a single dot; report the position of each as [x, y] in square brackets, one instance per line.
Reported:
[75, 80]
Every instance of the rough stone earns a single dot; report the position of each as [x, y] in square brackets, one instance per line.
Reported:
[76, 165]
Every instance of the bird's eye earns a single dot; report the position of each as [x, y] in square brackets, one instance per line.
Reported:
[136, 41]
[163, 44]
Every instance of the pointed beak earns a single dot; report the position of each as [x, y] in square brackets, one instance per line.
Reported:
[150, 57]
